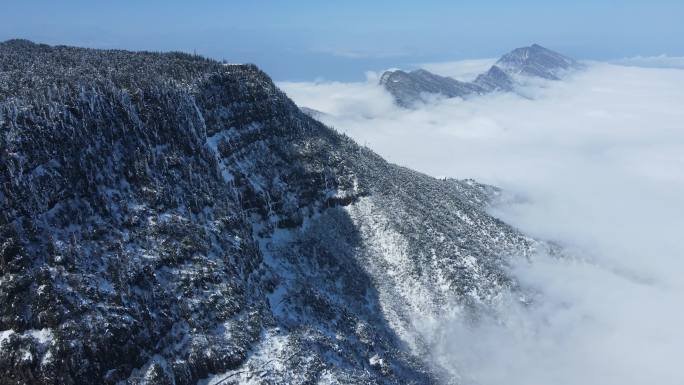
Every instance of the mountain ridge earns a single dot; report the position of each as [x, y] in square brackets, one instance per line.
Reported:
[167, 219]
[411, 88]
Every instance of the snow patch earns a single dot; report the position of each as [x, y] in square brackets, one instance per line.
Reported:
[5, 335]
[43, 336]
[270, 356]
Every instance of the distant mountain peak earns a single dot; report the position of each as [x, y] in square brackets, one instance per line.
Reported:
[410, 88]
[537, 61]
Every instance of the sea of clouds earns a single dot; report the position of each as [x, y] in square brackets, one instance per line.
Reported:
[595, 163]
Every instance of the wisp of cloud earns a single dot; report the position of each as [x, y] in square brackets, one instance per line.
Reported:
[594, 163]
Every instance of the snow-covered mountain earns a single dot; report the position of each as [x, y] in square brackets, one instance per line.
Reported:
[409, 88]
[167, 219]
[536, 61]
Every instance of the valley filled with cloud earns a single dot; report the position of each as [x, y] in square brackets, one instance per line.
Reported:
[592, 163]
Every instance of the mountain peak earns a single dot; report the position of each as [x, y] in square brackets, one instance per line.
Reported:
[408, 88]
[537, 61]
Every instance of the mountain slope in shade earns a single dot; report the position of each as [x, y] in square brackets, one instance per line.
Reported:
[408, 87]
[495, 79]
[412, 88]
[166, 219]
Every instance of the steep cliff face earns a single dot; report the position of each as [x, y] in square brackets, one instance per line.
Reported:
[167, 219]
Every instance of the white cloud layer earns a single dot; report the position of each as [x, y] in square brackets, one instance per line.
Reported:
[661, 61]
[596, 163]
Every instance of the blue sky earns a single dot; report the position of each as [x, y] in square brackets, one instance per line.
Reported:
[305, 40]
